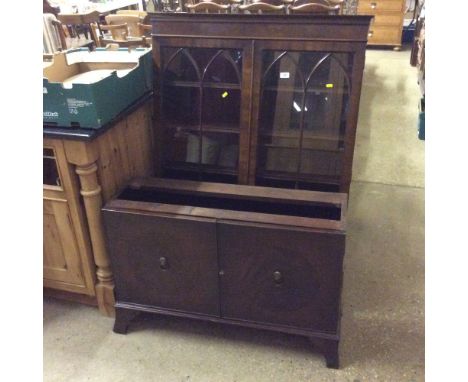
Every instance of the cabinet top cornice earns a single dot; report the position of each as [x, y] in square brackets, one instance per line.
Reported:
[262, 27]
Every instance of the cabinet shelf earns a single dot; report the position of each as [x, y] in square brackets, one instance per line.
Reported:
[194, 84]
[195, 167]
[293, 177]
[309, 135]
[292, 147]
[313, 89]
[208, 128]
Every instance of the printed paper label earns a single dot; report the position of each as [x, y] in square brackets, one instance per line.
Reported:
[75, 104]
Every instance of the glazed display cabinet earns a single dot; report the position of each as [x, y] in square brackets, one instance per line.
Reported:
[258, 99]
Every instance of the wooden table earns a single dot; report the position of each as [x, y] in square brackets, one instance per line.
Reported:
[82, 169]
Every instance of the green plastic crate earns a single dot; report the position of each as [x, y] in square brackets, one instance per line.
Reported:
[93, 105]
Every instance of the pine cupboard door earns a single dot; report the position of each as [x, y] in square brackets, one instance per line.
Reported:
[67, 256]
[204, 108]
[281, 276]
[61, 255]
[165, 262]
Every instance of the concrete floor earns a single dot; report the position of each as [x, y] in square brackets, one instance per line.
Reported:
[383, 293]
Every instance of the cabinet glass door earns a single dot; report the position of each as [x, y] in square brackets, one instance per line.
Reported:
[302, 118]
[51, 176]
[201, 98]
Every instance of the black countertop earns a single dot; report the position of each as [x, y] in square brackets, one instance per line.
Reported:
[83, 134]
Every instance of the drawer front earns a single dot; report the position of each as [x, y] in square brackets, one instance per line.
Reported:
[384, 35]
[375, 6]
[280, 276]
[164, 262]
[391, 19]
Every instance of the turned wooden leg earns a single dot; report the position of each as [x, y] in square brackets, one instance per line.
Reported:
[329, 349]
[91, 192]
[122, 319]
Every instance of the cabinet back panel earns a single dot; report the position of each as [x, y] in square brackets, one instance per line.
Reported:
[246, 205]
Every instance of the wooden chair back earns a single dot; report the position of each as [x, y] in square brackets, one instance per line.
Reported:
[264, 6]
[143, 15]
[208, 7]
[145, 29]
[120, 36]
[132, 22]
[58, 27]
[135, 42]
[117, 31]
[333, 7]
[78, 18]
[82, 23]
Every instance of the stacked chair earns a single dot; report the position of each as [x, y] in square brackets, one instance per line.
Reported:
[126, 28]
[332, 7]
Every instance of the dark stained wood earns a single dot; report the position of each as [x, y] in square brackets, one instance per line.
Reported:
[244, 191]
[248, 324]
[228, 193]
[252, 35]
[246, 113]
[252, 256]
[268, 27]
[280, 276]
[329, 349]
[356, 83]
[123, 317]
[164, 262]
[199, 212]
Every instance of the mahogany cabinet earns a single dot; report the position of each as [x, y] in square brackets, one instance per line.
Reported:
[266, 100]
[254, 256]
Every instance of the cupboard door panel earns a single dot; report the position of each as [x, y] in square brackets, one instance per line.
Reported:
[280, 276]
[384, 35]
[391, 19]
[371, 7]
[201, 113]
[61, 254]
[302, 119]
[165, 262]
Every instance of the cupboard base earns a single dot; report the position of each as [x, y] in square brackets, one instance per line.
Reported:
[325, 343]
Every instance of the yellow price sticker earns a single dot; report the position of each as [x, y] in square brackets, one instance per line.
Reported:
[329, 86]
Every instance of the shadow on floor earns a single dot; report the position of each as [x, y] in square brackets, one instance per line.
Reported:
[147, 322]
